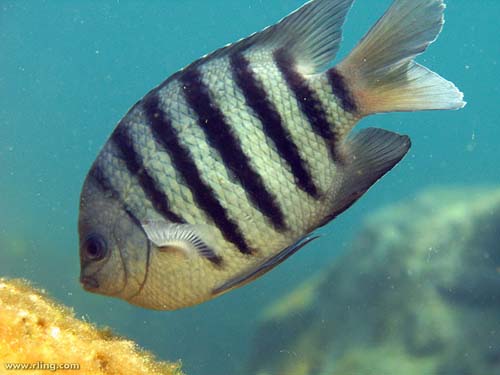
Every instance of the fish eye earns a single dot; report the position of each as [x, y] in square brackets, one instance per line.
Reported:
[95, 247]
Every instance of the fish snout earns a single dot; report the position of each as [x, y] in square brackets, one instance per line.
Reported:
[89, 283]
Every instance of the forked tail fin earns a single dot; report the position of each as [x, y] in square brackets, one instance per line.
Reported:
[380, 71]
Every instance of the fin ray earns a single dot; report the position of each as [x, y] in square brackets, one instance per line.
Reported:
[183, 237]
[311, 35]
[263, 267]
[369, 155]
[381, 72]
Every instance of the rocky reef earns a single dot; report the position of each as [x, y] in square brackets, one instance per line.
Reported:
[39, 336]
[417, 293]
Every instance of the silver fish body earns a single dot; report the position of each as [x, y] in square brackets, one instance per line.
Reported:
[222, 171]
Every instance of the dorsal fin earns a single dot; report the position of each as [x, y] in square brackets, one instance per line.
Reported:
[311, 35]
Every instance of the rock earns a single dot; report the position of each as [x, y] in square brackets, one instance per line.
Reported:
[418, 293]
[41, 334]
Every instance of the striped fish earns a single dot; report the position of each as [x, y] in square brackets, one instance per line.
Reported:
[225, 169]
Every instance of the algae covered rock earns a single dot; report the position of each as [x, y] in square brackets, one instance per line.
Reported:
[40, 336]
[418, 293]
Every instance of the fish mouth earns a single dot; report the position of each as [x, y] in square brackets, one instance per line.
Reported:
[89, 283]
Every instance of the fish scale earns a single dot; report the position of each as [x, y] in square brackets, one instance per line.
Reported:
[214, 172]
[159, 165]
[223, 171]
[343, 120]
[312, 147]
[136, 199]
[295, 203]
[123, 182]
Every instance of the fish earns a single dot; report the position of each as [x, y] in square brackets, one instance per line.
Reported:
[227, 168]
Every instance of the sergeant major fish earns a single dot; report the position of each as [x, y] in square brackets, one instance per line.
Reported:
[225, 169]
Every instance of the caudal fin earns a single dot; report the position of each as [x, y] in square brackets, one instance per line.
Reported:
[380, 71]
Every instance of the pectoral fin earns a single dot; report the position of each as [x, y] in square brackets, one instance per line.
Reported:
[185, 238]
[263, 267]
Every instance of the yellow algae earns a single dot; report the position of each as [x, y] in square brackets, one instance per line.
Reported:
[40, 335]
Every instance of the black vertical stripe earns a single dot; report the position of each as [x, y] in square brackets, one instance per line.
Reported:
[101, 180]
[257, 99]
[309, 103]
[341, 91]
[221, 138]
[166, 136]
[106, 186]
[154, 193]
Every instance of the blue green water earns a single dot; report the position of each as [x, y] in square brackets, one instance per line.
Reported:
[69, 70]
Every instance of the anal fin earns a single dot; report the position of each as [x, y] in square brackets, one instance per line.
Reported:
[368, 156]
[263, 267]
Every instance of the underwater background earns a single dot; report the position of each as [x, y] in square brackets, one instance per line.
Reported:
[69, 70]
